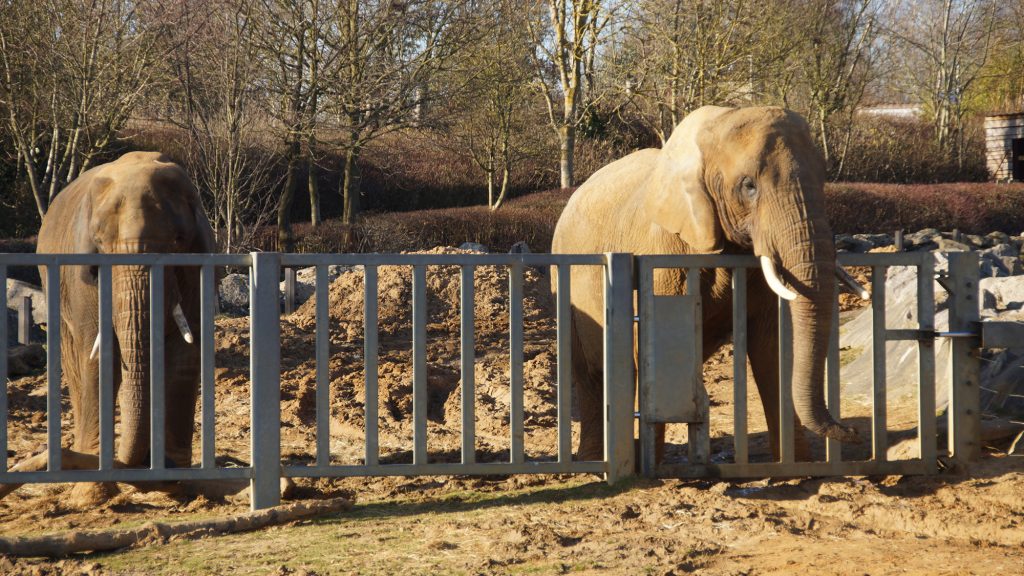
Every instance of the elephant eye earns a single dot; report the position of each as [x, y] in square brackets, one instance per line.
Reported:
[748, 188]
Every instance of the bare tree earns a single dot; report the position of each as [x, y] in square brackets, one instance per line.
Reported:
[836, 56]
[566, 37]
[947, 44]
[228, 153]
[389, 53]
[71, 73]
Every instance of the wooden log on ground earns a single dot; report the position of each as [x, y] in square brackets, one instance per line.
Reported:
[64, 544]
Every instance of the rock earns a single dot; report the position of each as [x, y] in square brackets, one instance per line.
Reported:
[876, 240]
[921, 237]
[520, 247]
[305, 281]
[996, 238]
[947, 245]
[474, 246]
[1004, 250]
[1008, 292]
[26, 360]
[234, 294]
[851, 244]
[991, 267]
[1013, 265]
[975, 240]
[16, 290]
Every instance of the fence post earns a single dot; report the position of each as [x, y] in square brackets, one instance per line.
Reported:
[25, 320]
[898, 241]
[265, 374]
[964, 390]
[289, 290]
[619, 375]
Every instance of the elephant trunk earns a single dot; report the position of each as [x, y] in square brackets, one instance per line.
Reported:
[131, 289]
[802, 244]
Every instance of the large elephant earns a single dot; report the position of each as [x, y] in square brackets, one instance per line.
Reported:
[730, 181]
[140, 203]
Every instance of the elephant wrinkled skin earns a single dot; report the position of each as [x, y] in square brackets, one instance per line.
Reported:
[730, 181]
[140, 203]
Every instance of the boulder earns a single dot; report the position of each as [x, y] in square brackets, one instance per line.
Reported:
[26, 360]
[948, 245]
[876, 240]
[234, 294]
[474, 247]
[305, 281]
[520, 247]
[996, 238]
[16, 290]
[921, 238]
[1006, 293]
[850, 243]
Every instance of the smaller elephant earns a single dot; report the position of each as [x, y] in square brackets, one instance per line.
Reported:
[140, 203]
[728, 181]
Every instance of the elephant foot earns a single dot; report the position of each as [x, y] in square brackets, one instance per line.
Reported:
[91, 494]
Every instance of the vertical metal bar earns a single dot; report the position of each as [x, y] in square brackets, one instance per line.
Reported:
[370, 363]
[265, 374]
[106, 367]
[833, 448]
[468, 365]
[899, 240]
[698, 433]
[3, 370]
[289, 290]
[564, 335]
[926, 364]
[207, 311]
[419, 363]
[619, 377]
[648, 433]
[53, 374]
[964, 393]
[24, 319]
[879, 429]
[323, 358]
[739, 366]
[515, 324]
[786, 431]
[157, 373]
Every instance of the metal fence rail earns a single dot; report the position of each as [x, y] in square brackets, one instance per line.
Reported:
[698, 464]
[266, 468]
[265, 272]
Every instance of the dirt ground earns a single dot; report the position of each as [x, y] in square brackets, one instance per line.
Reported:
[953, 523]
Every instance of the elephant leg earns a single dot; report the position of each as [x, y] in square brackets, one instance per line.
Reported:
[182, 383]
[588, 378]
[763, 353]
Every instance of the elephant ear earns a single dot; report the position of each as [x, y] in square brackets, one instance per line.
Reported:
[84, 234]
[205, 241]
[678, 200]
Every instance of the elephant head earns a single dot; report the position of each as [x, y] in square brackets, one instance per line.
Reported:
[753, 177]
[140, 203]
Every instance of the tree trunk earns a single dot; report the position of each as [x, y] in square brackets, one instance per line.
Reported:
[567, 144]
[314, 194]
[350, 186]
[285, 239]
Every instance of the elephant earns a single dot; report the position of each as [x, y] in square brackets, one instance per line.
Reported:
[140, 203]
[728, 181]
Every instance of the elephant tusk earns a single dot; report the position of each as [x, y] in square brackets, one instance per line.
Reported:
[774, 282]
[179, 318]
[849, 280]
[95, 348]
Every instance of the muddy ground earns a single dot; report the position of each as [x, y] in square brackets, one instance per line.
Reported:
[954, 523]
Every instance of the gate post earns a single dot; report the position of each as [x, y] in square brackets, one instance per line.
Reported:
[964, 388]
[619, 375]
[265, 376]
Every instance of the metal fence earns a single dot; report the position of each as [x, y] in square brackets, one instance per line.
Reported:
[266, 468]
[685, 347]
[659, 367]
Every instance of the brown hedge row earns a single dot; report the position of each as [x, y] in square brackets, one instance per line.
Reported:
[976, 208]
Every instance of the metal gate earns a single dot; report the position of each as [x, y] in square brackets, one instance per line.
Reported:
[671, 382]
